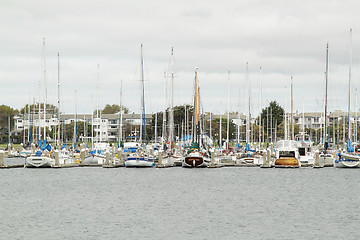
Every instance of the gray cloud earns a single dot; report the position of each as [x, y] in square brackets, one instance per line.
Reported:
[285, 38]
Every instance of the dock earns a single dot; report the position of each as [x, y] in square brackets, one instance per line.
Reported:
[12, 166]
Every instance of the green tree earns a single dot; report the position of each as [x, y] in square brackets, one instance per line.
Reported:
[5, 113]
[112, 109]
[274, 114]
[179, 119]
[34, 108]
[69, 130]
[215, 129]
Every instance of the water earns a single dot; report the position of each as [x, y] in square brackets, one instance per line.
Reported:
[177, 203]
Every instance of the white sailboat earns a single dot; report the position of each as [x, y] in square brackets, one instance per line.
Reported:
[348, 159]
[41, 158]
[326, 159]
[140, 158]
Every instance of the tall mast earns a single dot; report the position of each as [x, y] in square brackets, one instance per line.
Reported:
[156, 129]
[356, 122]
[142, 128]
[326, 96]
[58, 101]
[285, 117]
[120, 116]
[196, 107]
[164, 113]
[260, 105]
[350, 62]
[45, 88]
[220, 128]
[9, 133]
[248, 113]
[75, 123]
[171, 110]
[97, 105]
[292, 105]
[228, 113]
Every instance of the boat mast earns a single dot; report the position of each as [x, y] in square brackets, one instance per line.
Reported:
[9, 133]
[356, 123]
[228, 113]
[350, 62]
[58, 101]
[164, 113]
[248, 113]
[120, 116]
[326, 144]
[220, 128]
[196, 108]
[171, 110]
[97, 105]
[292, 106]
[142, 129]
[75, 123]
[45, 88]
[260, 105]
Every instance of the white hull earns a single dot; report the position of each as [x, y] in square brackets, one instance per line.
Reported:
[139, 162]
[326, 160]
[37, 162]
[95, 159]
[347, 161]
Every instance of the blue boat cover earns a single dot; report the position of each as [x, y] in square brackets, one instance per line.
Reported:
[349, 146]
[247, 149]
[44, 145]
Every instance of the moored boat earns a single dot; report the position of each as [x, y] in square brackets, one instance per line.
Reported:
[39, 160]
[287, 154]
[139, 160]
[195, 159]
[347, 160]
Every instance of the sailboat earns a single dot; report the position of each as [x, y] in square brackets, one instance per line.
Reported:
[140, 158]
[173, 156]
[348, 159]
[42, 158]
[195, 157]
[326, 159]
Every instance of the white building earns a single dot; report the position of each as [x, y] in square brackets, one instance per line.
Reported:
[106, 128]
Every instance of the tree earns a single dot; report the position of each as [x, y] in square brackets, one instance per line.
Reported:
[69, 131]
[215, 128]
[34, 108]
[5, 113]
[179, 119]
[273, 114]
[112, 109]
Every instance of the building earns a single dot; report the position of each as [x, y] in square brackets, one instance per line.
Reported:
[105, 128]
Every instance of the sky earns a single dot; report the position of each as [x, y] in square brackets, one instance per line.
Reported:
[284, 37]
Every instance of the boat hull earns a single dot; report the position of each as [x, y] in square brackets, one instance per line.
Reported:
[192, 161]
[326, 160]
[139, 162]
[39, 162]
[287, 162]
[347, 161]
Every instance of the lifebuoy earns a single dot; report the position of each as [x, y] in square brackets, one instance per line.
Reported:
[142, 154]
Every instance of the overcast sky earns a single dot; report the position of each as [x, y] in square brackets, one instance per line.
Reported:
[285, 37]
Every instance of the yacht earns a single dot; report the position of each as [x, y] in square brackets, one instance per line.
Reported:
[287, 154]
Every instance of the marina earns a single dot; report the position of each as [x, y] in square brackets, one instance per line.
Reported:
[180, 120]
[103, 203]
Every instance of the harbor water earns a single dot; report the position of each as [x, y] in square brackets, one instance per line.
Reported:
[178, 203]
